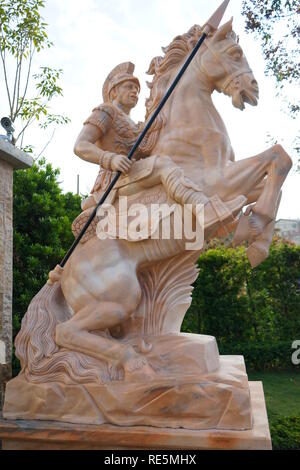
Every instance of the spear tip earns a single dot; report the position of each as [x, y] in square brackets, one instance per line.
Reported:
[215, 20]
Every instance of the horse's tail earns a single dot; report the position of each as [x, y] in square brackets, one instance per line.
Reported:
[42, 360]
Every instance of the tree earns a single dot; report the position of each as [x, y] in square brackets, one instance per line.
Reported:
[42, 232]
[275, 24]
[22, 35]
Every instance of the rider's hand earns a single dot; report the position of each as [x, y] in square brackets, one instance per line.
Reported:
[55, 275]
[121, 163]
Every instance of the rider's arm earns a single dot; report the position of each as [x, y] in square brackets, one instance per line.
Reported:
[93, 131]
[85, 147]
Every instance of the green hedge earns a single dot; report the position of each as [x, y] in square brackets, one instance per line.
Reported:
[264, 355]
[285, 433]
[253, 312]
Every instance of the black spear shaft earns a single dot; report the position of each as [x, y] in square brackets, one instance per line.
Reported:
[136, 145]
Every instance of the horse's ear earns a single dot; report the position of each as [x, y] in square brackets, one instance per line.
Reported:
[222, 32]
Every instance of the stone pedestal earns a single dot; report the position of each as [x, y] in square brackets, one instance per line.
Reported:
[51, 435]
[10, 159]
[219, 399]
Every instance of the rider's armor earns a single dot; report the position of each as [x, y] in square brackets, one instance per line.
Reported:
[119, 133]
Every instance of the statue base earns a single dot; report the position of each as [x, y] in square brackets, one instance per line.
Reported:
[53, 435]
[189, 399]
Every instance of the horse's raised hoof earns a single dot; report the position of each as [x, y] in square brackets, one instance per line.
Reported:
[257, 252]
[242, 232]
[251, 225]
[144, 347]
[258, 222]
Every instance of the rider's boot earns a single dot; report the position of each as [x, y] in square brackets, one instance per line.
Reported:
[184, 191]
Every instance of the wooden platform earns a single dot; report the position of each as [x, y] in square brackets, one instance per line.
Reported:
[53, 435]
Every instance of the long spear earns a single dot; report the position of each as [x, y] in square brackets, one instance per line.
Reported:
[211, 25]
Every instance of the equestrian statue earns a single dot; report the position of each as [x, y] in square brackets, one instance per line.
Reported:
[101, 342]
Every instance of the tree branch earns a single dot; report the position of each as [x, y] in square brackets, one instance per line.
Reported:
[15, 86]
[19, 83]
[32, 51]
[279, 17]
[43, 150]
[5, 77]
[30, 121]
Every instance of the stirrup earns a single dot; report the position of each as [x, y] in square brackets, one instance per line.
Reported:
[224, 212]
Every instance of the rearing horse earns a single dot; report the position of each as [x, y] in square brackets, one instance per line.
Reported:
[194, 135]
[102, 280]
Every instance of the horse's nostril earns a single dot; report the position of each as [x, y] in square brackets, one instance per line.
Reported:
[254, 83]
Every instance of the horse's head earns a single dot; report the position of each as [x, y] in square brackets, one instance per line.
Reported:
[226, 67]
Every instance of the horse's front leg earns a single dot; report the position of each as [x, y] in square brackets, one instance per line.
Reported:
[266, 171]
[244, 176]
[253, 196]
[279, 166]
[260, 179]
[258, 251]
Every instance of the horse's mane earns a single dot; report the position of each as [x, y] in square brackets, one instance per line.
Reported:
[163, 68]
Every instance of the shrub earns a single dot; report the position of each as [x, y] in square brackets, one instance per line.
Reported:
[253, 312]
[262, 356]
[285, 433]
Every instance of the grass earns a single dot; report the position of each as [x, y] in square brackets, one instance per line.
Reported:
[282, 392]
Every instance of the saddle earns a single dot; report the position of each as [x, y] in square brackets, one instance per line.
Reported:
[140, 169]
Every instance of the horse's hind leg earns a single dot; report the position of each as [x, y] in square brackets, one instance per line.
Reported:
[75, 334]
[103, 292]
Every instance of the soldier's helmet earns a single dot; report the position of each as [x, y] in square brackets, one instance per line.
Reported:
[121, 73]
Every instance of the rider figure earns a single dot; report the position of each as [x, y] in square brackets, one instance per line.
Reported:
[109, 134]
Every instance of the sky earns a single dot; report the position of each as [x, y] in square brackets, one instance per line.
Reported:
[92, 36]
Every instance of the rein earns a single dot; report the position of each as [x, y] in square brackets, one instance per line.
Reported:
[230, 76]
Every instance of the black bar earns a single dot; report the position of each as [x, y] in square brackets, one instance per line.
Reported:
[136, 145]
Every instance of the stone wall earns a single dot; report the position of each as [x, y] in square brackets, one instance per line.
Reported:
[10, 159]
[6, 247]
